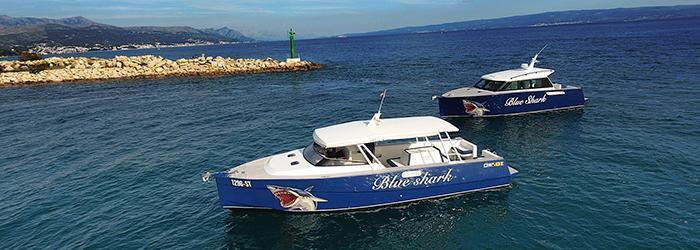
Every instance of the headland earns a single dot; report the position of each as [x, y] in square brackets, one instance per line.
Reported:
[58, 69]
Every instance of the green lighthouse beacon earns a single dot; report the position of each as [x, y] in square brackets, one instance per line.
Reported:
[292, 58]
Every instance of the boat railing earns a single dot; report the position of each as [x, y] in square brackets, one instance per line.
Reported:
[451, 147]
[372, 160]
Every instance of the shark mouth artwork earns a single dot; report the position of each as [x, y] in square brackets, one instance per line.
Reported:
[474, 108]
[295, 199]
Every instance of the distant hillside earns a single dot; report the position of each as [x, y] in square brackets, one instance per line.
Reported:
[26, 32]
[229, 33]
[8, 21]
[555, 18]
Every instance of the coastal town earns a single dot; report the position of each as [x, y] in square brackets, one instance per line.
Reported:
[46, 49]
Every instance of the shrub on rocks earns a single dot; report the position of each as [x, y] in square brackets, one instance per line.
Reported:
[36, 68]
[28, 56]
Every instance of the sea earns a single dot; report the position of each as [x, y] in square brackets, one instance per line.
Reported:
[117, 164]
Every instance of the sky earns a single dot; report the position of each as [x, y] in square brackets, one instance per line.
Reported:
[270, 19]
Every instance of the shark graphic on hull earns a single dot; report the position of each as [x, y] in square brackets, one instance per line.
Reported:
[295, 199]
[474, 108]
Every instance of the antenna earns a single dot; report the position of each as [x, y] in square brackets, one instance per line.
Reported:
[534, 58]
[383, 94]
[375, 119]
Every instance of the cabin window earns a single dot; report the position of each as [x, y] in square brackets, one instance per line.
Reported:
[320, 156]
[489, 85]
[546, 83]
[525, 84]
[535, 83]
[510, 86]
[541, 83]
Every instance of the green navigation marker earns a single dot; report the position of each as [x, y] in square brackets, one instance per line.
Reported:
[293, 58]
[291, 43]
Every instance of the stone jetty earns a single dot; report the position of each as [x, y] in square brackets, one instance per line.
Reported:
[57, 69]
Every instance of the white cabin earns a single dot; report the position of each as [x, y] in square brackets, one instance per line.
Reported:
[518, 74]
[368, 146]
[361, 132]
[527, 78]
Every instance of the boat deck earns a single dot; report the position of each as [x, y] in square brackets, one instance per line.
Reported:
[471, 91]
[257, 169]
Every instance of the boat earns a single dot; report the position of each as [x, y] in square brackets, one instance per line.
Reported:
[364, 164]
[527, 89]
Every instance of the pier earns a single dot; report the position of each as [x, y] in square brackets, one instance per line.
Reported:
[57, 69]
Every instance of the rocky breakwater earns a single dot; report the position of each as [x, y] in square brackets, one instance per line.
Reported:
[56, 69]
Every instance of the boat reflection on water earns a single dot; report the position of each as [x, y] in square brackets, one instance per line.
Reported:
[426, 223]
[535, 129]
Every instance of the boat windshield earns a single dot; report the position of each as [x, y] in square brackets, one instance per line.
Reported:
[489, 85]
[320, 156]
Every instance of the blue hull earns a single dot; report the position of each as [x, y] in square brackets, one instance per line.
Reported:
[355, 192]
[511, 103]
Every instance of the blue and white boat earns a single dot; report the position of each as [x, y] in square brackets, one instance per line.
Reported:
[511, 92]
[363, 164]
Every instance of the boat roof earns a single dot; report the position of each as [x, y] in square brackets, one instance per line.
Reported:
[518, 74]
[360, 132]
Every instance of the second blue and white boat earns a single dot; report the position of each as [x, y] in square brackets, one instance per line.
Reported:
[511, 92]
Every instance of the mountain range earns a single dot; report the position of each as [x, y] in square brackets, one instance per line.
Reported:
[554, 18]
[21, 33]
[8, 21]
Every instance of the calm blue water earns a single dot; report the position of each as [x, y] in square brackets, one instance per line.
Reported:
[117, 164]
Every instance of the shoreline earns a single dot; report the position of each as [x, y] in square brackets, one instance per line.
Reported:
[159, 47]
[125, 47]
[72, 69]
